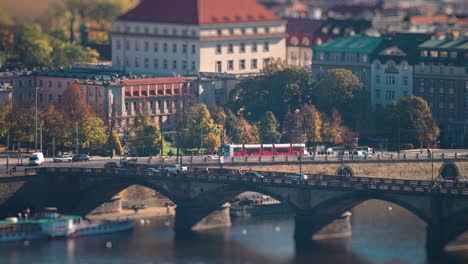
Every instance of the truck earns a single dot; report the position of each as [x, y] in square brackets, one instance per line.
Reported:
[36, 159]
[175, 168]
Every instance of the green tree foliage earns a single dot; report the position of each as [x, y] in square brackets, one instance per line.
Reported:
[32, 46]
[212, 141]
[4, 113]
[54, 129]
[147, 138]
[269, 129]
[281, 89]
[22, 126]
[197, 124]
[416, 122]
[342, 90]
[93, 132]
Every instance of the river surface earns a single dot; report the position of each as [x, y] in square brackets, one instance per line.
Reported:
[382, 233]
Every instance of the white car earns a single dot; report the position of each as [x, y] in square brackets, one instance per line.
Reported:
[298, 176]
[175, 168]
[63, 158]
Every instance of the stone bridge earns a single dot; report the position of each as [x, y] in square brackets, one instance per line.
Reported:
[316, 201]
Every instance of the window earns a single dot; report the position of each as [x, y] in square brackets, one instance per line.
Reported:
[184, 65]
[194, 49]
[59, 98]
[165, 64]
[146, 46]
[137, 62]
[390, 80]
[218, 48]
[219, 32]
[254, 64]
[117, 44]
[434, 53]
[254, 30]
[50, 98]
[184, 48]
[174, 48]
[451, 114]
[254, 47]
[242, 65]
[127, 45]
[165, 47]
[441, 86]
[242, 48]
[218, 66]
[174, 65]
[40, 83]
[377, 93]
[266, 46]
[377, 79]
[50, 84]
[230, 65]
[266, 61]
[231, 31]
[230, 48]
[59, 84]
[156, 47]
[156, 31]
[193, 65]
[267, 30]
[137, 46]
[174, 32]
[405, 80]
[405, 93]
[146, 63]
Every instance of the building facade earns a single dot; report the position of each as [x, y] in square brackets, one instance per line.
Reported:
[352, 53]
[441, 78]
[234, 37]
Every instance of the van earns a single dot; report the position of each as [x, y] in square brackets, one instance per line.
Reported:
[36, 159]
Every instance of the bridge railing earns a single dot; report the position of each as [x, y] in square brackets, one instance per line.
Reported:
[378, 156]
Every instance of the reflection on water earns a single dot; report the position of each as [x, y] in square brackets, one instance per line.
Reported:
[382, 233]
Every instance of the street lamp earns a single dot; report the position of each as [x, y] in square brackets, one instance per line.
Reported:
[35, 135]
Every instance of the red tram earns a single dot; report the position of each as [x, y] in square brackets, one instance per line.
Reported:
[255, 150]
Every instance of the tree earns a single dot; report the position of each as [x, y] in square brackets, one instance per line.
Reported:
[21, 120]
[147, 139]
[32, 46]
[113, 142]
[281, 89]
[416, 121]
[293, 127]
[342, 90]
[313, 123]
[197, 123]
[74, 105]
[54, 130]
[4, 113]
[269, 129]
[92, 132]
[239, 131]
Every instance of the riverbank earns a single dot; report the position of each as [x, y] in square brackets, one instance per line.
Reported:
[132, 214]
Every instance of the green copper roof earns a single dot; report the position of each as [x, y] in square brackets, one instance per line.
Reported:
[449, 45]
[357, 44]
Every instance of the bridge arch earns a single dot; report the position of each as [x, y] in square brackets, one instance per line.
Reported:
[449, 170]
[345, 171]
[105, 190]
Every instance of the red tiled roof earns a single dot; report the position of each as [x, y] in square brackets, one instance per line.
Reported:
[199, 12]
[431, 19]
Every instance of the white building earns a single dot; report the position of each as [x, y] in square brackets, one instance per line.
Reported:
[391, 78]
[191, 36]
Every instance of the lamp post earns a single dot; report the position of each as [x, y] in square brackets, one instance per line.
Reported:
[35, 135]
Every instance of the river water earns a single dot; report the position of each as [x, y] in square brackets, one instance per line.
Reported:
[382, 233]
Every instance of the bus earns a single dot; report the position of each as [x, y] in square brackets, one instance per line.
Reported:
[256, 150]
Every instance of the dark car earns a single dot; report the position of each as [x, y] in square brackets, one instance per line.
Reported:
[253, 174]
[80, 157]
[111, 165]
